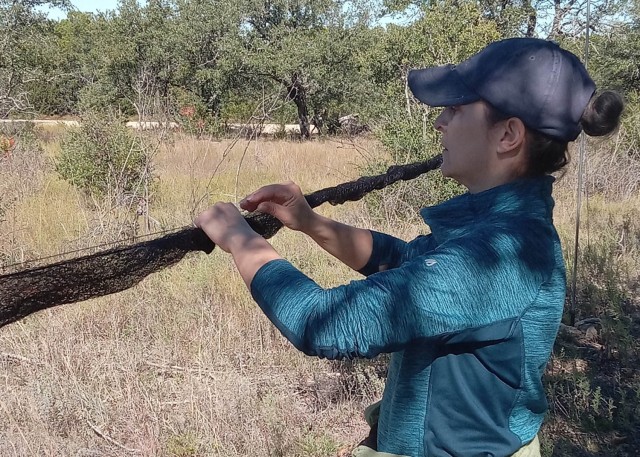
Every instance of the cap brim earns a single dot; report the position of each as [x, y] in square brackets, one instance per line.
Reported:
[440, 86]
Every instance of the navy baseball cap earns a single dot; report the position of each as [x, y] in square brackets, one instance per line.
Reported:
[547, 87]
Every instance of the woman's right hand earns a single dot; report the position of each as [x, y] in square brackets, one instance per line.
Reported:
[283, 201]
[350, 245]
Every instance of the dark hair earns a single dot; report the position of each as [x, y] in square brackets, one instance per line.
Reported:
[602, 114]
[545, 154]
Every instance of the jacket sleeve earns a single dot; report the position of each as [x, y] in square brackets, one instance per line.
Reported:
[390, 252]
[432, 295]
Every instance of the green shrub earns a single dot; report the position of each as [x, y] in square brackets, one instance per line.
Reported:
[409, 139]
[183, 445]
[104, 159]
[193, 115]
[630, 128]
[101, 96]
[574, 395]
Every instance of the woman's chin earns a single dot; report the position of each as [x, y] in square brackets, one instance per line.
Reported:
[445, 167]
[448, 172]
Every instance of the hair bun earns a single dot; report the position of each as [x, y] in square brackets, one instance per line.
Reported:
[602, 114]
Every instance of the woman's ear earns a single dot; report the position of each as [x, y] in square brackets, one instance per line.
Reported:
[512, 136]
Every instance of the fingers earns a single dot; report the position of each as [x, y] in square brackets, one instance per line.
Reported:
[276, 193]
[223, 223]
[268, 208]
[217, 211]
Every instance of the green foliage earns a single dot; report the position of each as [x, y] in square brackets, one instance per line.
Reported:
[602, 278]
[316, 444]
[100, 97]
[445, 33]
[307, 55]
[86, 85]
[545, 19]
[579, 399]
[104, 159]
[598, 401]
[25, 52]
[412, 139]
[234, 53]
[183, 445]
[630, 130]
[608, 270]
[193, 116]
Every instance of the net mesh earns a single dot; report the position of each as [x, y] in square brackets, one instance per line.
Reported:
[29, 290]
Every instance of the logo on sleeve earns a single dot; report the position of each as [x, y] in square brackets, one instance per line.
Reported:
[430, 262]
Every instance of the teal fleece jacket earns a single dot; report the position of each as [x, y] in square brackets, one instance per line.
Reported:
[469, 313]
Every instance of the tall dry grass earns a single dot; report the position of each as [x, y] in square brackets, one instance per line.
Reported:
[184, 364]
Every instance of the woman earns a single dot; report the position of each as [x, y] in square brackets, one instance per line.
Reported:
[469, 312]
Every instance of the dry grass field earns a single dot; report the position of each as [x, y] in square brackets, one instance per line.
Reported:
[185, 365]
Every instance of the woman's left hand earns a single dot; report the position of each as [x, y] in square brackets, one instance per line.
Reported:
[226, 227]
[224, 224]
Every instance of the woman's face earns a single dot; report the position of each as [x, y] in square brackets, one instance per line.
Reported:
[469, 145]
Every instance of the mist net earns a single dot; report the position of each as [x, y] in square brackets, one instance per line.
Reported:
[114, 270]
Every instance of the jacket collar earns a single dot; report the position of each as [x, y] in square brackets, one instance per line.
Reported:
[522, 198]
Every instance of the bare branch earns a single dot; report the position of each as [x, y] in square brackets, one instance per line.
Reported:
[110, 440]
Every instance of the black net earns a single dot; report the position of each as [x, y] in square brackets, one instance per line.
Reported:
[30, 290]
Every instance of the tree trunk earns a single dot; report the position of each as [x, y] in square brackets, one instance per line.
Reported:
[560, 11]
[297, 94]
[532, 20]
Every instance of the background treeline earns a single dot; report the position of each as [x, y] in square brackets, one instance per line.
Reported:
[209, 62]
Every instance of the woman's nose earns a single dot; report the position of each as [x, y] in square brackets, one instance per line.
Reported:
[440, 122]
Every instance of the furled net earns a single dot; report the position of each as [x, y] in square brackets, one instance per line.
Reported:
[34, 289]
